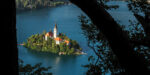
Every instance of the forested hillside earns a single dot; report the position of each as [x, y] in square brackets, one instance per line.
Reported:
[32, 4]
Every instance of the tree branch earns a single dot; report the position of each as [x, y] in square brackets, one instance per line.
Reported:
[118, 40]
[144, 23]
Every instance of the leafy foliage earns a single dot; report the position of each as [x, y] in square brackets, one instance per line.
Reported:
[106, 60]
[140, 6]
[141, 38]
[32, 70]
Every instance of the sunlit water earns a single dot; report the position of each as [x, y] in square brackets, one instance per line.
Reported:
[66, 17]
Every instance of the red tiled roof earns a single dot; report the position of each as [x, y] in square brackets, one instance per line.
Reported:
[50, 34]
[67, 41]
[58, 39]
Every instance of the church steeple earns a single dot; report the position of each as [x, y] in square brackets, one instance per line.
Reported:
[55, 25]
[55, 31]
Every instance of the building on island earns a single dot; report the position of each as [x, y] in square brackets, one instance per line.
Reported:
[67, 42]
[53, 35]
[58, 40]
[49, 34]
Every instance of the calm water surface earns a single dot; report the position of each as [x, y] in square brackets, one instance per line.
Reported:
[66, 17]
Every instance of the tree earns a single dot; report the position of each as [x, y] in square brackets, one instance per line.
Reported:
[71, 51]
[67, 49]
[62, 47]
[29, 4]
[32, 70]
[142, 6]
[44, 32]
[130, 60]
[106, 26]
[57, 49]
[106, 60]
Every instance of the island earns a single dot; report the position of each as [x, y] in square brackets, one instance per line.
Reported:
[53, 43]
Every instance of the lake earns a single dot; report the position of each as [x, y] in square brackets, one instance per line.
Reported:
[66, 17]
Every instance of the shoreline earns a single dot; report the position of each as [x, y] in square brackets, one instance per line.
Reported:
[20, 10]
[59, 53]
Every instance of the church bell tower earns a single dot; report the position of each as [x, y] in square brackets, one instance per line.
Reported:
[55, 31]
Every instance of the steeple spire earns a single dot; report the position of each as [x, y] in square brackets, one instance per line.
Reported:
[55, 25]
[55, 30]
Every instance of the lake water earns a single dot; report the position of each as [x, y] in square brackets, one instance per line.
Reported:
[66, 17]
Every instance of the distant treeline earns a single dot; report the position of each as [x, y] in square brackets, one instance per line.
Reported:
[33, 4]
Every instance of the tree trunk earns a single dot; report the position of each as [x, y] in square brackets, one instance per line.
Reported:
[118, 39]
[10, 54]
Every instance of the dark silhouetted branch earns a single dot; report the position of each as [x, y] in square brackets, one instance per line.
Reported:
[144, 23]
[118, 40]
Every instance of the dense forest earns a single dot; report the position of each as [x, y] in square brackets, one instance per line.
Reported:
[33, 4]
[37, 42]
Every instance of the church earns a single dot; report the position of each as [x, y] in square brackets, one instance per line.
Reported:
[54, 36]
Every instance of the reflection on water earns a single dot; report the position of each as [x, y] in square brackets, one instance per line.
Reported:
[57, 60]
[48, 56]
